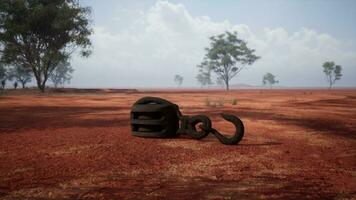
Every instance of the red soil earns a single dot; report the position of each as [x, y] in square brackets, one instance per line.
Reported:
[298, 144]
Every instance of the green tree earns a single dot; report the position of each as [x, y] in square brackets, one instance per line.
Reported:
[3, 76]
[219, 82]
[3, 84]
[332, 72]
[21, 74]
[269, 79]
[40, 34]
[178, 79]
[204, 76]
[227, 56]
[61, 74]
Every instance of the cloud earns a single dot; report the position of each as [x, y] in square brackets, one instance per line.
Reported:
[154, 45]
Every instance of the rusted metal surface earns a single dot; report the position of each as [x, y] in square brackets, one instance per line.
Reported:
[159, 118]
[154, 117]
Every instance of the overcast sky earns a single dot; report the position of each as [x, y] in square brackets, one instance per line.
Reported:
[145, 43]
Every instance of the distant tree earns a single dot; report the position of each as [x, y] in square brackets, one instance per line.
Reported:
[269, 79]
[332, 72]
[204, 76]
[39, 34]
[227, 56]
[178, 79]
[61, 74]
[204, 80]
[3, 76]
[3, 84]
[15, 85]
[220, 82]
[21, 74]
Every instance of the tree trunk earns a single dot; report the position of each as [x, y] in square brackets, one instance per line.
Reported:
[42, 88]
[41, 76]
[23, 85]
[41, 84]
[330, 82]
[227, 84]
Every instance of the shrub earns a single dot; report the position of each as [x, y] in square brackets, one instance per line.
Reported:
[234, 101]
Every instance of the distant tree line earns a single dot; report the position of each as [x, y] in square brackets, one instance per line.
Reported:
[37, 39]
[227, 55]
[21, 75]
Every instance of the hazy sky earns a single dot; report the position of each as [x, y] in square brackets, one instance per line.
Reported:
[145, 43]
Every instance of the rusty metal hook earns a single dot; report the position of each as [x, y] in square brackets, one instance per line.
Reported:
[239, 130]
[188, 126]
[189, 123]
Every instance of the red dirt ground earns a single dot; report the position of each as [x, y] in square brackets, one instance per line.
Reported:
[298, 144]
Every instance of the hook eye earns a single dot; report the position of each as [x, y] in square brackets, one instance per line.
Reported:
[205, 126]
[239, 130]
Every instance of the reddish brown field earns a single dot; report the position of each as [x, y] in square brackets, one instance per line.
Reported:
[298, 144]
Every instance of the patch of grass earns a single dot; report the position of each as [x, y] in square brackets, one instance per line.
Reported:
[207, 102]
[234, 101]
[220, 102]
[214, 103]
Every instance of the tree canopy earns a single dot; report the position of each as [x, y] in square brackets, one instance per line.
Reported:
[3, 73]
[40, 34]
[204, 76]
[62, 74]
[21, 74]
[269, 79]
[227, 56]
[178, 79]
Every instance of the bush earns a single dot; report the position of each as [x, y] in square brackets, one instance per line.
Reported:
[234, 101]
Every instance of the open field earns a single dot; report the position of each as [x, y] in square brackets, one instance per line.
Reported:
[298, 144]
